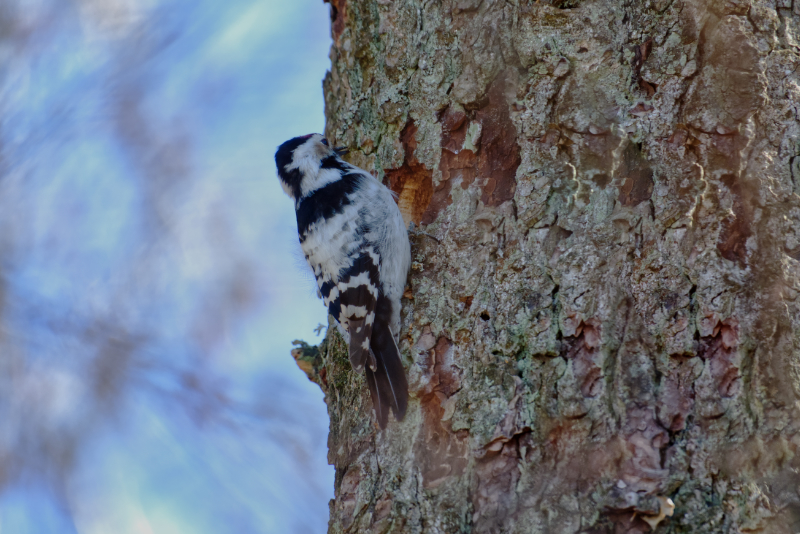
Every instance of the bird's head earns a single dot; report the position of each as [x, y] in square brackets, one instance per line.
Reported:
[306, 163]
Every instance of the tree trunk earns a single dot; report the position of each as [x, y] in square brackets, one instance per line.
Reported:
[608, 315]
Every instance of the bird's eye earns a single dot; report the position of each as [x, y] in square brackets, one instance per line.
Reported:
[324, 141]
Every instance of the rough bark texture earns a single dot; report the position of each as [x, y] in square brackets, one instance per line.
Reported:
[611, 313]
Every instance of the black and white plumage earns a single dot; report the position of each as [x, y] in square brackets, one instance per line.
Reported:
[354, 239]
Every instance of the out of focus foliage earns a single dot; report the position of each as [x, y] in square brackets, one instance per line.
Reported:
[145, 377]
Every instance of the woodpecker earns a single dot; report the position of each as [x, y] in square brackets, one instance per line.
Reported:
[354, 239]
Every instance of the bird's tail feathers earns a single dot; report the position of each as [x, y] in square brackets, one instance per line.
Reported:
[388, 386]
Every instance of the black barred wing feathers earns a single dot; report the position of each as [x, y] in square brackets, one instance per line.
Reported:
[352, 303]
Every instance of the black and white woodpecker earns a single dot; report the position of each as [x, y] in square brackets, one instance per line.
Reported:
[354, 239]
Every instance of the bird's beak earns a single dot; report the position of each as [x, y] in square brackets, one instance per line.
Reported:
[341, 150]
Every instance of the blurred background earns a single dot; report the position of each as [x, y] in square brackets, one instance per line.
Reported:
[150, 278]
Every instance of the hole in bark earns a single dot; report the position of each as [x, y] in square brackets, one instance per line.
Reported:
[641, 53]
[637, 177]
[601, 180]
[649, 88]
[337, 17]
[737, 228]
[485, 316]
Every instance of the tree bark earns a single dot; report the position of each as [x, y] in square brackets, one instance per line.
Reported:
[608, 315]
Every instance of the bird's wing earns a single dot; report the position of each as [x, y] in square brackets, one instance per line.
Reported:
[352, 303]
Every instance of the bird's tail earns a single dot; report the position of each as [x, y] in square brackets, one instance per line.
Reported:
[387, 382]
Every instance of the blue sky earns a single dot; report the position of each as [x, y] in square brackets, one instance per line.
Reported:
[150, 276]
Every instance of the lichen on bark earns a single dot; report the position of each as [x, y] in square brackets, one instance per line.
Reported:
[608, 316]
